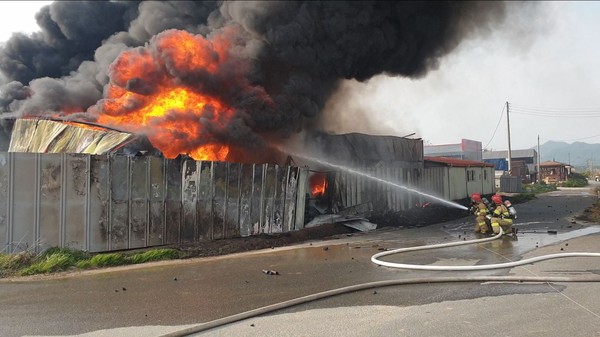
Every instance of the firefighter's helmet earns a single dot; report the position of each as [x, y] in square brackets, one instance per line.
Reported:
[476, 197]
[497, 199]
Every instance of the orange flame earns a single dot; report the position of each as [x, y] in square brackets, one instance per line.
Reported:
[318, 184]
[176, 118]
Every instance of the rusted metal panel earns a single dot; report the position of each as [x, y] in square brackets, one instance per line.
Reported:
[138, 222]
[173, 203]
[189, 200]
[205, 209]
[76, 193]
[119, 203]
[156, 201]
[51, 188]
[98, 232]
[5, 163]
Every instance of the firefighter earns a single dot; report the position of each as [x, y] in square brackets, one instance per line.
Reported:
[501, 217]
[481, 211]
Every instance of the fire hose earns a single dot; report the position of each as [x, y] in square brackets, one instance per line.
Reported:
[378, 284]
[375, 258]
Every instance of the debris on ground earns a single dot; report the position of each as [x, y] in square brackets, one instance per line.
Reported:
[355, 222]
[270, 272]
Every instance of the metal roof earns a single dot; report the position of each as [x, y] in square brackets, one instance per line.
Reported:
[454, 162]
[553, 163]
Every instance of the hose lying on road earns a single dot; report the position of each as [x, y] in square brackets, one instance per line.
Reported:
[375, 258]
[378, 284]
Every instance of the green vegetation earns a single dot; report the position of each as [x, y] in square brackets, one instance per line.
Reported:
[542, 187]
[9, 264]
[58, 259]
[531, 190]
[155, 255]
[522, 197]
[575, 180]
[49, 264]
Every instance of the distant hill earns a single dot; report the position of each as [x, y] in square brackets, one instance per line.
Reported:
[578, 154]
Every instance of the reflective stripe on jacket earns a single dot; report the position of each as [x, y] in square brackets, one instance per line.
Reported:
[502, 212]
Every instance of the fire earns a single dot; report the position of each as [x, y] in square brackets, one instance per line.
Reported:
[146, 94]
[318, 184]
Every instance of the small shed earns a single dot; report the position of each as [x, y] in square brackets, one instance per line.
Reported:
[461, 177]
[553, 172]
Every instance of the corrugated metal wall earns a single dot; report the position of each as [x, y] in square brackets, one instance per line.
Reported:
[103, 203]
[450, 183]
[351, 189]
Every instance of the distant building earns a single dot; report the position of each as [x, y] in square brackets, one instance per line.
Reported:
[459, 177]
[524, 163]
[465, 150]
[553, 172]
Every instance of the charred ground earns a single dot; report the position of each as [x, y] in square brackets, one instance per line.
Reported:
[416, 217]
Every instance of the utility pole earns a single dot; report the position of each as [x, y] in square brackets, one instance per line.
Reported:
[539, 172]
[509, 150]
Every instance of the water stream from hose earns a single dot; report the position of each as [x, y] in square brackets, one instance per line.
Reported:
[372, 177]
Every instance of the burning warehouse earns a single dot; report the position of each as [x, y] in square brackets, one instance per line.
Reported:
[226, 84]
[335, 189]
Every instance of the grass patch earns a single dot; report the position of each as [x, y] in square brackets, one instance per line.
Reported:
[75, 254]
[11, 263]
[49, 264]
[575, 180]
[522, 197]
[539, 188]
[108, 260]
[575, 183]
[84, 264]
[52, 260]
[59, 259]
[155, 255]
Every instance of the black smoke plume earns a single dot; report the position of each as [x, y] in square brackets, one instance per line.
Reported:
[298, 52]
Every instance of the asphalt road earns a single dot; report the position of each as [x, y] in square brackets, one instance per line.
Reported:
[157, 298]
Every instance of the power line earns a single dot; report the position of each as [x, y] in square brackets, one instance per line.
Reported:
[556, 115]
[497, 125]
[551, 109]
[570, 140]
[550, 112]
[556, 112]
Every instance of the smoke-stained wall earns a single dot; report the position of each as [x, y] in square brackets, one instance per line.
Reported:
[104, 203]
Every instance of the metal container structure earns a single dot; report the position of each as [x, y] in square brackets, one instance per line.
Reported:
[449, 183]
[105, 203]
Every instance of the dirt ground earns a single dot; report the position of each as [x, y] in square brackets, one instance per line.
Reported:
[591, 214]
[416, 217]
